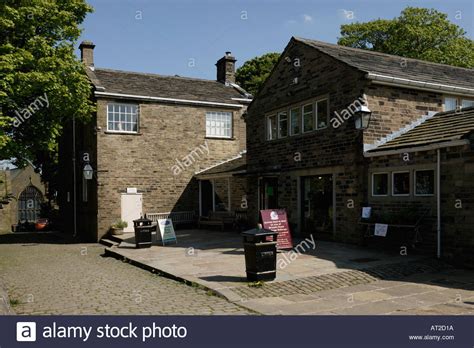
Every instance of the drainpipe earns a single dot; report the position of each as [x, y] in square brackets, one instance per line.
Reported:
[74, 175]
[438, 199]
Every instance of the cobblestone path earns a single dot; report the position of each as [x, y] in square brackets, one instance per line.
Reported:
[45, 278]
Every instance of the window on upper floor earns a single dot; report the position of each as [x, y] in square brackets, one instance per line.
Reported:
[466, 103]
[122, 118]
[295, 121]
[308, 118]
[272, 127]
[298, 119]
[282, 124]
[219, 124]
[452, 103]
[322, 114]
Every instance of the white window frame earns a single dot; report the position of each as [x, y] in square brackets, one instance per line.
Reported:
[393, 184]
[434, 182]
[450, 97]
[467, 100]
[287, 124]
[221, 114]
[269, 127]
[388, 184]
[303, 131]
[299, 110]
[316, 113]
[137, 114]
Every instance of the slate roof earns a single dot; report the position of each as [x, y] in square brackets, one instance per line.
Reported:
[234, 165]
[390, 65]
[153, 85]
[442, 127]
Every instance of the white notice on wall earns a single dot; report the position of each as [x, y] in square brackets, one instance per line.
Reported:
[380, 230]
[366, 211]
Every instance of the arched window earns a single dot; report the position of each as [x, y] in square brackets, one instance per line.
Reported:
[29, 204]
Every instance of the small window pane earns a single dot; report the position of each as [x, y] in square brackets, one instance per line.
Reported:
[283, 124]
[380, 184]
[401, 183]
[295, 121]
[450, 103]
[322, 116]
[424, 182]
[271, 128]
[308, 118]
[466, 103]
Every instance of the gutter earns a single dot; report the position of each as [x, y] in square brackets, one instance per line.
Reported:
[416, 84]
[436, 146]
[167, 100]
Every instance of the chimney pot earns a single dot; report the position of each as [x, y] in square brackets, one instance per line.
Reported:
[87, 52]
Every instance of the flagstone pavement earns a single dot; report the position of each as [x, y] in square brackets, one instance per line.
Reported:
[331, 279]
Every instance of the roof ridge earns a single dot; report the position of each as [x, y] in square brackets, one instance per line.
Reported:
[322, 43]
[157, 75]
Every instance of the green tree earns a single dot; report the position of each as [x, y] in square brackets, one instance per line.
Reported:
[417, 33]
[37, 63]
[254, 72]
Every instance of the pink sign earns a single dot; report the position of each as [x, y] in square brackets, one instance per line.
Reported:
[276, 220]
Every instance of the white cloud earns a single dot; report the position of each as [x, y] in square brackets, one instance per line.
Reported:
[307, 18]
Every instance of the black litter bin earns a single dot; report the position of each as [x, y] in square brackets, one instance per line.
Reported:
[260, 254]
[143, 229]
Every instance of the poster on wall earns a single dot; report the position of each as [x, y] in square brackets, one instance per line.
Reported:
[168, 235]
[380, 230]
[276, 220]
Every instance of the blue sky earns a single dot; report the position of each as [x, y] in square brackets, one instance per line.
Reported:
[170, 36]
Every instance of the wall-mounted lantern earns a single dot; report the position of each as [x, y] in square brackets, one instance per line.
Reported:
[88, 172]
[362, 117]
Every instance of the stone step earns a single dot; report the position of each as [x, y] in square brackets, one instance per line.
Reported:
[109, 242]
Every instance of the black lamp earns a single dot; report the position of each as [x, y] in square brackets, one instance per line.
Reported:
[362, 117]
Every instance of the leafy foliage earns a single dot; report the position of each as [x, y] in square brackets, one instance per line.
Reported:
[417, 33]
[37, 59]
[254, 72]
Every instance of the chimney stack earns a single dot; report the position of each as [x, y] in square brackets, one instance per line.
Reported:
[87, 52]
[226, 68]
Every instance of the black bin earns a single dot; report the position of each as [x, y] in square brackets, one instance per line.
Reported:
[143, 228]
[260, 254]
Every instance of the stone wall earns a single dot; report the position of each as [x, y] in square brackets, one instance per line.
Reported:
[145, 160]
[394, 108]
[457, 200]
[335, 151]
[12, 183]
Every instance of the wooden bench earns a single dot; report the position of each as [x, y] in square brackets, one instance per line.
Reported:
[178, 217]
[412, 231]
[217, 218]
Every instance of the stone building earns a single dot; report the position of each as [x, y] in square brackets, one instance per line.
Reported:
[21, 194]
[148, 137]
[309, 152]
